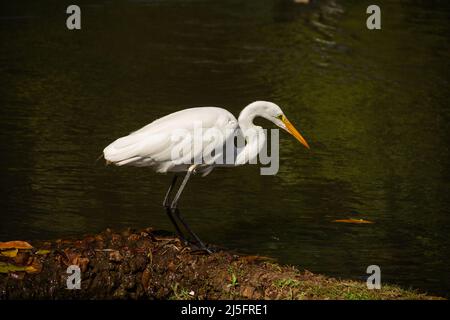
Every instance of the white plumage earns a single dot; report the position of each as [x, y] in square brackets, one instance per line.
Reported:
[194, 131]
[153, 144]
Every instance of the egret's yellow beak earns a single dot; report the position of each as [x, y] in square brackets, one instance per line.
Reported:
[291, 129]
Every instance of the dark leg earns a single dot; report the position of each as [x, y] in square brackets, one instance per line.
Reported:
[169, 212]
[186, 226]
[175, 210]
[166, 198]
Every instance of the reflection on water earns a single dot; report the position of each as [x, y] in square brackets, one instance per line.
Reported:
[373, 105]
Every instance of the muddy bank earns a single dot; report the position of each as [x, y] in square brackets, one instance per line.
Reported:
[146, 265]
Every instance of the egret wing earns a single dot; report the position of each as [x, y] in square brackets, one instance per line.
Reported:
[160, 142]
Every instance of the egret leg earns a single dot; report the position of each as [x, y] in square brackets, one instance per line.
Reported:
[166, 198]
[169, 211]
[181, 188]
[175, 210]
[192, 233]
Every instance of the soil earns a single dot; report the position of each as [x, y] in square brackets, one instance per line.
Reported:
[147, 265]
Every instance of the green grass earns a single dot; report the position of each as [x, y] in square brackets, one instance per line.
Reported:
[282, 283]
[180, 293]
[233, 281]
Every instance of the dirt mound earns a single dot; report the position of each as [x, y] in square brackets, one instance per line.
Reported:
[147, 265]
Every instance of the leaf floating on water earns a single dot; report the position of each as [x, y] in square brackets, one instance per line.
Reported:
[9, 253]
[43, 252]
[353, 221]
[15, 245]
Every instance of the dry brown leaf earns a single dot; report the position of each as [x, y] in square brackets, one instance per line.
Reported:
[42, 252]
[31, 269]
[15, 245]
[9, 253]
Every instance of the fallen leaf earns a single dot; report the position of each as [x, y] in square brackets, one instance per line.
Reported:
[15, 245]
[43, 252]
[36, 266]
[31, 269]
[9, 253]
[353, 221]
[8, 267]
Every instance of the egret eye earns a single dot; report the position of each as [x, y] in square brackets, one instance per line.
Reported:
[279, 117]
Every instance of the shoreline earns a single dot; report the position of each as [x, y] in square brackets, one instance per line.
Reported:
[146, 265]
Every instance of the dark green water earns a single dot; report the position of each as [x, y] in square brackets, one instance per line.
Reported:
[372, 104]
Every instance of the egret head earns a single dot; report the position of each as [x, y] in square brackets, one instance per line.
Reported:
[273, 113]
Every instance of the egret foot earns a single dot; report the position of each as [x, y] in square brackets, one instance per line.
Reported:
[197, 241]
[200, 247]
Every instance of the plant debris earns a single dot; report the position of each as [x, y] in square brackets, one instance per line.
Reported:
[15, 245]
[147, 265]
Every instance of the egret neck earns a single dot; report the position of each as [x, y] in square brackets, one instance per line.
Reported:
[255, 138]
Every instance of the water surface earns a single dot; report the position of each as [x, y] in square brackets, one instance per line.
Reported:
[372, 104]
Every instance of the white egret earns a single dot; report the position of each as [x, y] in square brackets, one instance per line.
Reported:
[154, 146]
